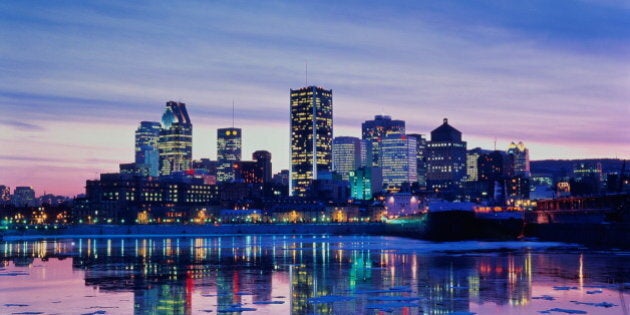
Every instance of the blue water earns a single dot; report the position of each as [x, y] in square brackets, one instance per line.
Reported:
[309, 275]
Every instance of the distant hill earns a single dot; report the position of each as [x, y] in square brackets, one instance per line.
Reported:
[560, 168]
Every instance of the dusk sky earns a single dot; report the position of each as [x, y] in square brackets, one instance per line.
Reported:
[76, 78]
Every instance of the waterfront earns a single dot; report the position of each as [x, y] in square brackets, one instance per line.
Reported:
[310, 274]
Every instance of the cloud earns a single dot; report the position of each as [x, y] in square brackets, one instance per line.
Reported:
[21, 125]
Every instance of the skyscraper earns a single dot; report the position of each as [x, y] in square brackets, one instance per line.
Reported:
[377, 129]
[228, 152]
[147, 154]
[520, 158]
[311, 136]
[346, 155]
[446, 159]
[421, 162]
[263, 165]
[175, 142]
[398, 160]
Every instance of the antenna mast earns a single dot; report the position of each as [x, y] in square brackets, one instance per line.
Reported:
[232, 113]
[306, 71]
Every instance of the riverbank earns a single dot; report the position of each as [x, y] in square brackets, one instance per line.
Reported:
[190, 230]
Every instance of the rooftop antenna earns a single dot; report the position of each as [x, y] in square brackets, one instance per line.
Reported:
[306, 71]
[232, 113]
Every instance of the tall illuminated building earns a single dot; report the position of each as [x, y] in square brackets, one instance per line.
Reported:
[421, 162]
[398, 160]
[376, 130]
[175, 142]
[228, 152]
[446, 159]
[520, 159]
[147, 154]
[311, 136]
[346, 155]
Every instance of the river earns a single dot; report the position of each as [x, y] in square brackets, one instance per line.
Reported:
[310, 274]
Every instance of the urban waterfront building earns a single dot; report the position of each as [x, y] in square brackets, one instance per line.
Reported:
[229, 143]
[398, 161]
[5, 194]
[446, 159]
[375, 130]
[421, 161]
[361, 183]
[520, 159]
[175, 142]
[257, 171]
[24, 196]
[346, 155]
[147, 155]
[472, 169]
[311, 129]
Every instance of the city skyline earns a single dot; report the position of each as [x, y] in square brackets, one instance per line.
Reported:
[82, 76]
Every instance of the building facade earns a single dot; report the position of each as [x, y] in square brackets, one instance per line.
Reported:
[311, 129]
[446, 159]
[346, 155]
[520, 159]
[147, 155]
[398, 161]
[175, 142]
[375, 130]
[229, 142]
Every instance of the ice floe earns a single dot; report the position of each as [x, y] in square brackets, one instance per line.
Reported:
[564, 288]
[330, 299]
[600, 304]
[234, 309]
[544, 297]
[268, 302]
[562, 310]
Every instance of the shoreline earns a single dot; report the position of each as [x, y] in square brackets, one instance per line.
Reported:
[190, 230]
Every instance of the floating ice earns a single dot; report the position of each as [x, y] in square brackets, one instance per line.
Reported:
[562, 310]
[99, 312]
[14, 274]
[390, 306]
[564, 288]
[594, 291]
[393, 298]
[15, 304]
[269, 302]
[236, 309]
[544, 297]
[601, 304]
[329, 299]
[27, 313]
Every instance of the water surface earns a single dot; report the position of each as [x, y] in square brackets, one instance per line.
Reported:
[264, 274]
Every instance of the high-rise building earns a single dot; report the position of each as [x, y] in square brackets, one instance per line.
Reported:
[360, 183]
[175, 143]
[346, 155]
[520, 159]
[263, 165]
[311, 136]
[5, 194]
[472, 169]
[24, 196]
[398, 160]
[446, 159]
[377, 129]
[421, 161]
[228, 152]
[147, 153]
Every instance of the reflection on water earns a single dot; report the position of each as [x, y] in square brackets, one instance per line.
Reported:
[306, 275]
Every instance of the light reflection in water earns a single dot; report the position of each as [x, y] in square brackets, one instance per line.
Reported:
[189, 275]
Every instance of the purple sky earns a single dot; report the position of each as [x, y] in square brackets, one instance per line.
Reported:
[76, 78]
